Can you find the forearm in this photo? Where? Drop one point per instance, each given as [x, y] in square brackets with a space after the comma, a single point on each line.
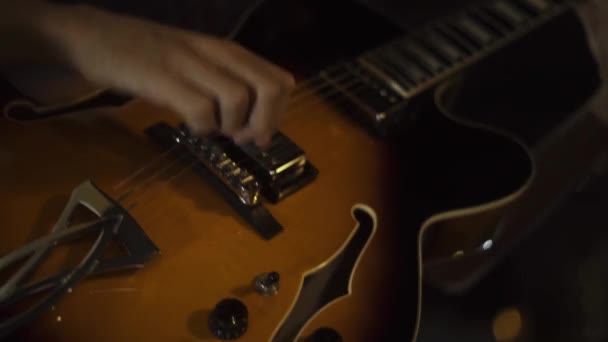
[35, 31]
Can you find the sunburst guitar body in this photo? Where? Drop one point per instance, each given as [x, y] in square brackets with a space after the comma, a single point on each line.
[118, 225]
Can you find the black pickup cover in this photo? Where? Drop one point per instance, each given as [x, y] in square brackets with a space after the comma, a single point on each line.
[281, 168]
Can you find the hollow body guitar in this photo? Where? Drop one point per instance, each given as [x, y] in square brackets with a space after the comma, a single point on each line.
[321, 236]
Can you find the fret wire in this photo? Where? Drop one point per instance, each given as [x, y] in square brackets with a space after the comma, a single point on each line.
[303, 87]
[362, 105]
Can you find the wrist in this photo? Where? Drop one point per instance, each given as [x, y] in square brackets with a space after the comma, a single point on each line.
[64, 29]
[29, 32]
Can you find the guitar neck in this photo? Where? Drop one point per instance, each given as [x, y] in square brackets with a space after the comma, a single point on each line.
[381, 82]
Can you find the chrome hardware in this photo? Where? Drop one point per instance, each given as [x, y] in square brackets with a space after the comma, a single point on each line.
[374, 99]
[109, 223]
[213, 155]
[281, 169]
[267, 284]
[216, 160]
[391, 77]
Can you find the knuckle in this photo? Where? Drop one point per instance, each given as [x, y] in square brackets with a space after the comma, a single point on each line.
[288, 81]
[200, 116]
[202, 106]
[281, 87]
[262, 128]
[272, 91]
[237, 100]
[170, 57]
[202, 125]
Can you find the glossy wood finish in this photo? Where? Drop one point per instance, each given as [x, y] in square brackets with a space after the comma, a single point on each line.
[207, 252]
[441, 171]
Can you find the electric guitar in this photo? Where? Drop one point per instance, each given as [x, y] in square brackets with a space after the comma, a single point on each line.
[120, 225]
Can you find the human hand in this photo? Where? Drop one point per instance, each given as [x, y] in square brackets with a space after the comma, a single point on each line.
[204, 79]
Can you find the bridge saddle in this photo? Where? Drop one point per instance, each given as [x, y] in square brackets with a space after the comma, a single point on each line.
[274, 172]
[244, 174]
[214, 153]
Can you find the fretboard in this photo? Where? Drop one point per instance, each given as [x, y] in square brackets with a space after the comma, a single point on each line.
[382, 81]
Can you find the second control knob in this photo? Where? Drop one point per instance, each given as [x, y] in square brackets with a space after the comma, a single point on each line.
[229, 319]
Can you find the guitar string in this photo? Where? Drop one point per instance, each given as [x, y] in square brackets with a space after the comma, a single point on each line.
[277, 153]
[153, 176]
[143, 196]
[162, 157]
[325, 98]
[134, 199]
[304, 93]
[139, 171]
[157, 174]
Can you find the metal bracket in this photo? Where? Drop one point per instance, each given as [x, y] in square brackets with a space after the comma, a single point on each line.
[255, 214]
[113, 223]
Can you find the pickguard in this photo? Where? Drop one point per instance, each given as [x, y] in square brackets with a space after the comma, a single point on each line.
[331, 280]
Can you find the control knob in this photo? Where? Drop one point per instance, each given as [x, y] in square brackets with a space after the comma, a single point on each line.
[229, 319]
[267, 284]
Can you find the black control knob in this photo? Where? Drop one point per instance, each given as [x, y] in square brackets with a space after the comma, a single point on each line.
[229, 319]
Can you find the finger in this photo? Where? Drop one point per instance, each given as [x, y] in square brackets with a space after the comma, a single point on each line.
[232, 95]
[270, 103]
[272, 86]
[249, 134]
[194, 106]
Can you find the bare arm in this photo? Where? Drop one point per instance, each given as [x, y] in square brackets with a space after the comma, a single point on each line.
[193, 74]
[23, 34]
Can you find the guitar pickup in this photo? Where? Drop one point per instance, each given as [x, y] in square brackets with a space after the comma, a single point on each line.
[243, 174]
[247, 171]
[281, 169]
